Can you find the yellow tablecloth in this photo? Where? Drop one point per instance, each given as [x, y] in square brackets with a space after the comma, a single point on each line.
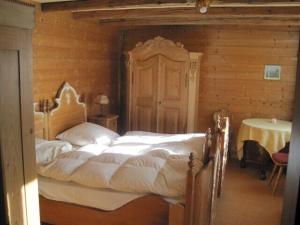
[272, 136]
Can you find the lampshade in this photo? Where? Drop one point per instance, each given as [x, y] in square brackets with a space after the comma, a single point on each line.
[102, 99]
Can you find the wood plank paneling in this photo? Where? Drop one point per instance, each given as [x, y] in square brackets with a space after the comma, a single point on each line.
[232, 68]
[82, 53]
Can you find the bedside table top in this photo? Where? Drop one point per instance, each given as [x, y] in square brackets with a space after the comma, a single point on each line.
[109, 116]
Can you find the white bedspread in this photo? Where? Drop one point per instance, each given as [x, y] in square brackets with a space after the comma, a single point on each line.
[129, 167]
[103, 199]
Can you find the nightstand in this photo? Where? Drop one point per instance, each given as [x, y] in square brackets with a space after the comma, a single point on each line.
[109, 121]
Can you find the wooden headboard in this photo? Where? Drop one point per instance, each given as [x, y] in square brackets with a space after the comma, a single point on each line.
[40, 123]
[68, 111]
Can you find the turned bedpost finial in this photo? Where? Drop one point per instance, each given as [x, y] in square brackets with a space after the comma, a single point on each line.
[191, 161]
[193, 164]
[40, 106]
[209, 136]
[47, 105]
[219, 122]
[207, 146]
[44, 105]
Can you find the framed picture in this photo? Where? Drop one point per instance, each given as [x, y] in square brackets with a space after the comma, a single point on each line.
[272, 72]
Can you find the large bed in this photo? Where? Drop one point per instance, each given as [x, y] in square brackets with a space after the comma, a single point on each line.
[66, 200]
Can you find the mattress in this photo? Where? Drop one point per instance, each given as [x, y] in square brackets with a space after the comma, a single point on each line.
[103, 199]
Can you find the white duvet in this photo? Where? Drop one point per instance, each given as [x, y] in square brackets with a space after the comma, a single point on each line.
[128, 167]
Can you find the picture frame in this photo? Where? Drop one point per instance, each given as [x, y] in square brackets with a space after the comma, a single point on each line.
[272, 72]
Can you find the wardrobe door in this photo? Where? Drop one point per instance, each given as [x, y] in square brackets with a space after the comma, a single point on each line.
[18, 164]
[172, 96]
[11, 129]
[144, 94]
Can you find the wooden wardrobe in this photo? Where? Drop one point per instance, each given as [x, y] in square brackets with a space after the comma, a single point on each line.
[19, 202]
[162, 87]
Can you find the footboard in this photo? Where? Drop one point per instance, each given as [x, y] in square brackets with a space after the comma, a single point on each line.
[202, 183]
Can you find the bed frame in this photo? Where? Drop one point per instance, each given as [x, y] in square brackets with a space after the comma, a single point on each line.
[222, 120]
[201, 187]
[40, 120]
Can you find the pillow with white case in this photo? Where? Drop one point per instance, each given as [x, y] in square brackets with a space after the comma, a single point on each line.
[88, 133]
[46, 151]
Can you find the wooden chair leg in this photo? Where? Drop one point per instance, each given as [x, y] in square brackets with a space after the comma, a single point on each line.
[277, 179]
[272, 174]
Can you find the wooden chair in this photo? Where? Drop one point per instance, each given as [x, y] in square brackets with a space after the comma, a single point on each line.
[280, 161]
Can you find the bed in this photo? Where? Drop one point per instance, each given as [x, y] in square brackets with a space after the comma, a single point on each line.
[197, 206]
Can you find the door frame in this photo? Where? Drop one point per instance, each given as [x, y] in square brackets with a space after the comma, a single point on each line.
[291, 195]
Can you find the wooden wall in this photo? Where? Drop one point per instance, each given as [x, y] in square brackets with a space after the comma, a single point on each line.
[85, 54]
[80, 52]
[232, 70]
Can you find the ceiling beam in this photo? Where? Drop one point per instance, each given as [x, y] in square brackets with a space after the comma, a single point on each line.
[114, 4]
[254, 3]
[139, 4]
[254, 21]
[188, 13]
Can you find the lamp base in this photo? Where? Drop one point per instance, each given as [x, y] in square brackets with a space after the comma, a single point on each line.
[100, 115]
[102, 112]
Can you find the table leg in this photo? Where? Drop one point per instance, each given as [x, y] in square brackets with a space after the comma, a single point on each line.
[243, 160]
[264, 161]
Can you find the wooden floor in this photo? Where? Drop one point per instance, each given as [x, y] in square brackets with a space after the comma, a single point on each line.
[246, 200]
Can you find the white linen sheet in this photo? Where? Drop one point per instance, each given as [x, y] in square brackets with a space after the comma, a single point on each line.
[103, 199]
[46, 151]
[129, 167]
[155, 138]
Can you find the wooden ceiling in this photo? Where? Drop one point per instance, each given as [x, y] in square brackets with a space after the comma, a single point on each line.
[169, 12]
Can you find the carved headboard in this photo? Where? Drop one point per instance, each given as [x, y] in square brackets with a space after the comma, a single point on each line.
[68, 111]
[40, 123]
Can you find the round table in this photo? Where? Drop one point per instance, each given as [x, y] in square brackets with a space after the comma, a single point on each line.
[271, 134]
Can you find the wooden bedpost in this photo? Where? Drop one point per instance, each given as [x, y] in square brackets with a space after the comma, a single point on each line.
[206, 180]
[188, 210]
[207, 146]
[45, 108]
[195, 163]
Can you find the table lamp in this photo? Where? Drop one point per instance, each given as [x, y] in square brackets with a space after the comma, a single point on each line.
[102, 100]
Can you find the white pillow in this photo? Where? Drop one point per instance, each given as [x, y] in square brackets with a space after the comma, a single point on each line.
[88, 133]
[46, 151]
